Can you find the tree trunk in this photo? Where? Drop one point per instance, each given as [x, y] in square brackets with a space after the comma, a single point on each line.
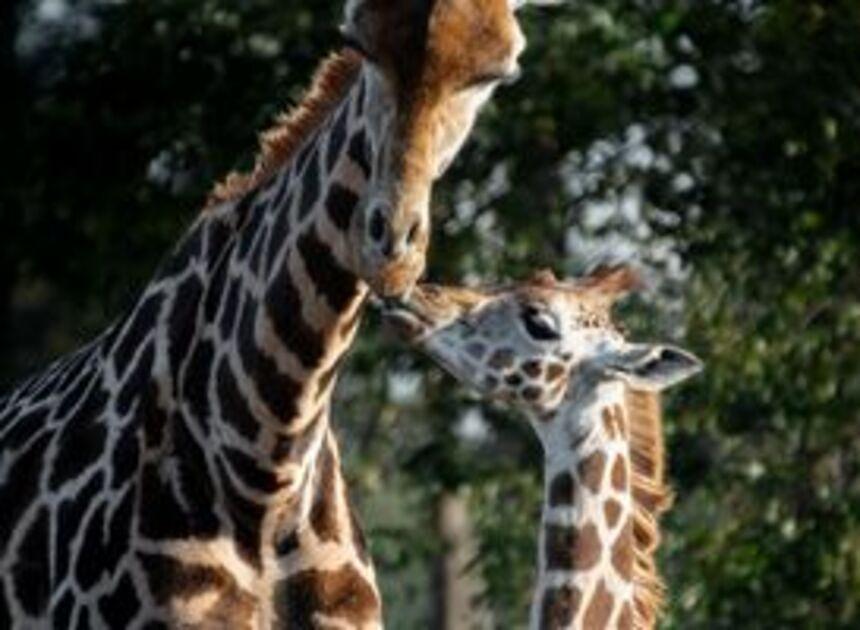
[456, 589]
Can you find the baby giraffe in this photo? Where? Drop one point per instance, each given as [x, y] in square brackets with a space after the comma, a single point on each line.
[550, 348]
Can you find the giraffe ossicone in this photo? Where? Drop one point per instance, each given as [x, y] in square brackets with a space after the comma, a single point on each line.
[181, 470]
[551, 349]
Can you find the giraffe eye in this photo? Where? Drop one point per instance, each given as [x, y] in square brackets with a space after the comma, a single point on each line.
[503, 77]
[540, 325]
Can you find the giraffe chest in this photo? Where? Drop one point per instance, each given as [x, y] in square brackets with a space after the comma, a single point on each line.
[313, 586]
[201, 584]
[313, 574]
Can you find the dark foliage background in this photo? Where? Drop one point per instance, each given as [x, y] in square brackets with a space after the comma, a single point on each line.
[714, 142]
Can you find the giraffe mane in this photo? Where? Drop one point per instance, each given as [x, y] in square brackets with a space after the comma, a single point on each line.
[333, 77]
[651, 498]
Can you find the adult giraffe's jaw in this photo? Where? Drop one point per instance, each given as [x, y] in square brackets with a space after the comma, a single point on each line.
[402, 321]
[418, 314]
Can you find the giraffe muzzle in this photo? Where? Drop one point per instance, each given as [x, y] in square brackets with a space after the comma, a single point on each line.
[402, 321]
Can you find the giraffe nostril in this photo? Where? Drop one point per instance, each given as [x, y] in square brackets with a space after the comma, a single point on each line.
[377, 226]
[412, 236]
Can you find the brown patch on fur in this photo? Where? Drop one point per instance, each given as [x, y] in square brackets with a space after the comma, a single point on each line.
[559, 607]
[613, 422]
[234, 609]
[343, 593]
[554, 372]
[501, 359]
[591, 470]
[599, 608]
[651, 497]
[622, 552]
[514, 380]
[611, 511]
[531, 393]
[619, 474]
[532, 369]
[575, 548]
[170, 578]
[608, 423]
[641, 610]
[562, 490]
[625, 617]
[330, 84]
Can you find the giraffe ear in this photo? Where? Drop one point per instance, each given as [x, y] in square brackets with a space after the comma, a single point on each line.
[653, 367]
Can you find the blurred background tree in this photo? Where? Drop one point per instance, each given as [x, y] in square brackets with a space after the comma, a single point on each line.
[714, 143]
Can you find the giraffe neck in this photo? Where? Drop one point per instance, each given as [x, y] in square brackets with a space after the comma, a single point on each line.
[257, 308]
[586, 554]
[260, 303]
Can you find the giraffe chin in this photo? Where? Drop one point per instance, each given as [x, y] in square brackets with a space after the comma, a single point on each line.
[401, 323]
[395, 280]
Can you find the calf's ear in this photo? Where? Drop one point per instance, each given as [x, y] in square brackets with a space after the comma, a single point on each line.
[653, 367]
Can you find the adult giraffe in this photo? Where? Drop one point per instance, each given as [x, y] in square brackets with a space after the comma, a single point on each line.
[551, 349]
[181, 469]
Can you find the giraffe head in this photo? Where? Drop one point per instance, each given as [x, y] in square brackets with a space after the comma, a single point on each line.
[539, 342]
[430, 65]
